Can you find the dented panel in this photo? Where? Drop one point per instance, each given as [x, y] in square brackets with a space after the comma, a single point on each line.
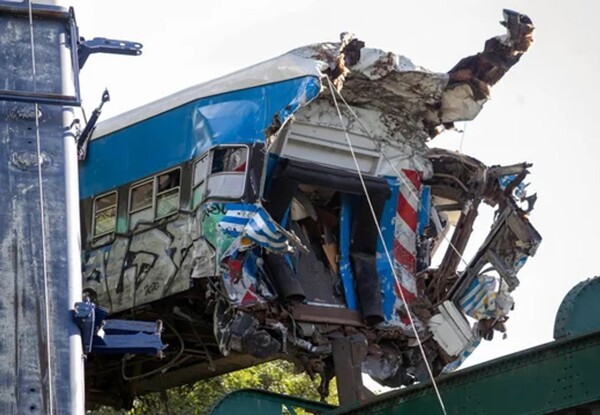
[305, 216]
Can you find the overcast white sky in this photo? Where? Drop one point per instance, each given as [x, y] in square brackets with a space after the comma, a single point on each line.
[543, 111]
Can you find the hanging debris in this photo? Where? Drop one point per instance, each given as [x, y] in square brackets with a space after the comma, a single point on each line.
[298, 214]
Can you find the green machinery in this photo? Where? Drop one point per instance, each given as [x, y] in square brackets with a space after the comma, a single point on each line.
[560, 377]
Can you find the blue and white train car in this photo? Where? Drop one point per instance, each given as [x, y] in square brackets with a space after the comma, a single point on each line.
[264, 213]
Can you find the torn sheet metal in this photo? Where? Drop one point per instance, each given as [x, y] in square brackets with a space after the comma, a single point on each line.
[245, 280]
[387, 83]
[450, 329]
[470, 80]
[484, 300]
[256, 204]
[251, 224]
[416, 102]
[465, 353]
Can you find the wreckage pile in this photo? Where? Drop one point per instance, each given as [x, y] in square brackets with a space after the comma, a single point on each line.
[315, 210]
[400, 106]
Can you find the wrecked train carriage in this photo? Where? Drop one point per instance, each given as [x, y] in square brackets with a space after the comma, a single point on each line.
[265, 214]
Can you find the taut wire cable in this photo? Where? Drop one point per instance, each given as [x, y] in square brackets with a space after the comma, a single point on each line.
[387, 253]
[42, 218]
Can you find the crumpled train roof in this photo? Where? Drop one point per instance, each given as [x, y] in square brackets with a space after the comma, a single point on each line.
[420, 102]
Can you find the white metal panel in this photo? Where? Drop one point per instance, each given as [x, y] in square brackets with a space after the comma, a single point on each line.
[328, 146]
[317, 135]
[450, 329]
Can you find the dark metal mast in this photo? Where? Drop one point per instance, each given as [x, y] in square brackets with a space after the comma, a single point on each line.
[41, 359]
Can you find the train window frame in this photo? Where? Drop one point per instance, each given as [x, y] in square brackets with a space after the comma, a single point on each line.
[225, 147]
[153, 206]
[97, 237]
[137, 185]
[157, 193]
[209, 174]
[202, 180]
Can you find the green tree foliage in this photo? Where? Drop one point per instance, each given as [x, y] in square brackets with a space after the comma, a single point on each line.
[277, 376]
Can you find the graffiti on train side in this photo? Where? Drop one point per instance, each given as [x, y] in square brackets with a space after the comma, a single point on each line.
[142, 267]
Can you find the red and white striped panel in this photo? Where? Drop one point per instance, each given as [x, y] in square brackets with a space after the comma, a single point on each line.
[405, 234]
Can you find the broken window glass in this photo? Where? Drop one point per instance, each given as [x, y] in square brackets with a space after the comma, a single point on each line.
[229, 159]
[105, 214]
[141, 196]
[167, 198]
[169, 180]
[227, 178]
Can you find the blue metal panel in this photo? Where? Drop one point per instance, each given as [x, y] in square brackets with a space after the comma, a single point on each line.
[272, 160]
[424, 209]
[104, 336]
[178, 135]
[383, 266]
[344, 263]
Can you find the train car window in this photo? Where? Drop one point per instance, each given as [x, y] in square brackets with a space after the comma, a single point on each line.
[167, 195]
[220, 174]
[105, 215]
[199, 183]
[229, 159]
[227, 178]
[141, 196]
